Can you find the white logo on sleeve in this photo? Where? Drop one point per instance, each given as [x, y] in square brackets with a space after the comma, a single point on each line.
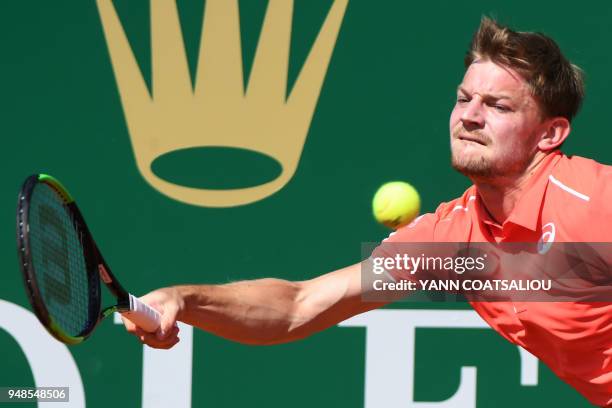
[547, 238]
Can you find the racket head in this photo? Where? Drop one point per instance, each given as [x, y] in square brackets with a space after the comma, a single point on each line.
[58, 260]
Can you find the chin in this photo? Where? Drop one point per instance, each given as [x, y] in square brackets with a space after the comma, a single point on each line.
[471, 165]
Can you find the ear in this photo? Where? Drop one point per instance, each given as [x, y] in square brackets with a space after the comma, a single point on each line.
[554, 134]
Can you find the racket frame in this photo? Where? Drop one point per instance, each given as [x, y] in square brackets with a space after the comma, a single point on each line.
[97, 268]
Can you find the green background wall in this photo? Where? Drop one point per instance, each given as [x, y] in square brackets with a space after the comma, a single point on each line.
[382, 115]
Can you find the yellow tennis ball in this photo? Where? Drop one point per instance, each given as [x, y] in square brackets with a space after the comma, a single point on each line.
[396, 204]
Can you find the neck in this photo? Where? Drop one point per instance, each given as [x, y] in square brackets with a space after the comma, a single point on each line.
[500, 195]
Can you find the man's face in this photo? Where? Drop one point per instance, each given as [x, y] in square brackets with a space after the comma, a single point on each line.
[495, 123]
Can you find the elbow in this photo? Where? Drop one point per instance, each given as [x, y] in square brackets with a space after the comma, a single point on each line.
[296, 323]
[304, 318]
[287, 317]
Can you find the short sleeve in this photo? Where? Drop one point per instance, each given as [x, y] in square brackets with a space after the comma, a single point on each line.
[421, 230]
[601, 204]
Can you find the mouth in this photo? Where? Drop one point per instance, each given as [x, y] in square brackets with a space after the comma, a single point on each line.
[473, 139]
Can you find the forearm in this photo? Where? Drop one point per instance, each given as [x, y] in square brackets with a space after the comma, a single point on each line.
[263, 311]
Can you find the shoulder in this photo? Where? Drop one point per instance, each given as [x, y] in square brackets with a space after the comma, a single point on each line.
[580, 193]
[449, 210]
[423, 228]
[582, 177]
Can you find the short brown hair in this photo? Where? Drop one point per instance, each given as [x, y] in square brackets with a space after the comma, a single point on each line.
[556, 83]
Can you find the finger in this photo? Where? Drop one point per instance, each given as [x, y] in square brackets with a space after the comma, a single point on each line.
[166, 344]
[153, 341]
[129, 325]
[155, 336]
[138, 332]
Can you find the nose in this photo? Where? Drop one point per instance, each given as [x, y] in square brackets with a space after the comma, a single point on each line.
[472, 115]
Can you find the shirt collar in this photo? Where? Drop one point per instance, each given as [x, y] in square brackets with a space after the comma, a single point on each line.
[526, 212]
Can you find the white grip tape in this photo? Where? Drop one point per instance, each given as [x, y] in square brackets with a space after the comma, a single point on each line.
[142, 315]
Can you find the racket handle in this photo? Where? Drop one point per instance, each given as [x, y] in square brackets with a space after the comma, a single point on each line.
[142, 315]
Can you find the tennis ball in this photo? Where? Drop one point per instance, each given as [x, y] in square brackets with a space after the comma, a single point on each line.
[396, 204]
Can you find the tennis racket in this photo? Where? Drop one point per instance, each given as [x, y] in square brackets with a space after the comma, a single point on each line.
[62, 265]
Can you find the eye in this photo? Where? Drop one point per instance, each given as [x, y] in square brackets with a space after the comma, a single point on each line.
[462, 99]
[501, 108]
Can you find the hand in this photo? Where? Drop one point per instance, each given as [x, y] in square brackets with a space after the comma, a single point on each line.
[168, 303]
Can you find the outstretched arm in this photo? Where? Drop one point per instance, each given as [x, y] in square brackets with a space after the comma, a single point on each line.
[263, 311]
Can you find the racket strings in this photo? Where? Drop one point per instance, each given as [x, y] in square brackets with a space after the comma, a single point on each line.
[59, 261]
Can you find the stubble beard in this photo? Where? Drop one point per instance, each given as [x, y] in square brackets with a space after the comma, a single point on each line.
[471, 167]
[479, 167]
[482, 168]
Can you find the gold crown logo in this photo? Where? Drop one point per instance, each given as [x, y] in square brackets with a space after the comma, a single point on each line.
[217, 111]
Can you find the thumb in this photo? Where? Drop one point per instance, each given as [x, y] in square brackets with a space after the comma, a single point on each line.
[168, 322]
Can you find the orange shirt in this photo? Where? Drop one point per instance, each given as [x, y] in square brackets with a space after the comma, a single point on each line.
[568, 199]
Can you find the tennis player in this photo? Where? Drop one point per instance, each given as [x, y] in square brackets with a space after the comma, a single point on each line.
[513, 112]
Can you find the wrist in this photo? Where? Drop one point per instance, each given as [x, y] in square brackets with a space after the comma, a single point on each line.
[184, 299]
